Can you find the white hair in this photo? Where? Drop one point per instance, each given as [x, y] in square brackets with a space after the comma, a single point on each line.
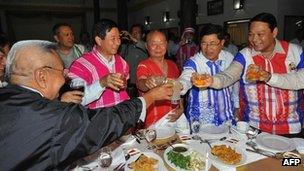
[43, 45]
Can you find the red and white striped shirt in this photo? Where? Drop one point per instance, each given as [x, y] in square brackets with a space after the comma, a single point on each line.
[268, 108]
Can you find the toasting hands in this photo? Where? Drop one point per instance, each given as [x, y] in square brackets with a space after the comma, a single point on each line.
[255, 73]
[115, 81]
[201, 80]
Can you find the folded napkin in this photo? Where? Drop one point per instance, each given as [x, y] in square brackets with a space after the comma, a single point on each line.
[118, 157]
[299, 143]
[181, 125]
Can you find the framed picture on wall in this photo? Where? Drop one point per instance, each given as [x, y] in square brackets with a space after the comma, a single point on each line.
[215, 7]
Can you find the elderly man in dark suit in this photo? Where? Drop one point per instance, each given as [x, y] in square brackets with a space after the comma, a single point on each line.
[38, 132]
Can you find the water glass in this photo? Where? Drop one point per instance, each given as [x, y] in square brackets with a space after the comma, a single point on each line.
[176, 92]
[195, 126]
[123, 77]
[105, 157]
[150, 135]
[159, 80]
[251, 134]
[78, 85]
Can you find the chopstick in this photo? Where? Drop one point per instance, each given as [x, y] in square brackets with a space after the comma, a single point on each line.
[137, 138]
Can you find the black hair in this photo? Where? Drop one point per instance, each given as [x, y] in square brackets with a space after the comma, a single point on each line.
[226, 34]
[102, 27]
[136, 25]
[266, 18]
[58, 25]
[212, 29]
[3, 42]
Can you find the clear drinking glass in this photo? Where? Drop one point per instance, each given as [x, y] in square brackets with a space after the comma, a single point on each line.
[175, 100]
[195, 127]
[124, 78]
[159, 80]
[251, 134]
[105, 157]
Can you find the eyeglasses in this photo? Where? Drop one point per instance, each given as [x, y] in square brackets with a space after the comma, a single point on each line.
[211, 45]
[63, 71]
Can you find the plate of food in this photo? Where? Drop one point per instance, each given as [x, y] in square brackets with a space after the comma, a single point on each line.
[145, 161]
[183, 157]
[227, 155]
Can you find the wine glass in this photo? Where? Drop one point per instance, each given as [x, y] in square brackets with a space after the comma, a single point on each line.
[105, 157]
[78, 85]
[251, 134]
[195, 127]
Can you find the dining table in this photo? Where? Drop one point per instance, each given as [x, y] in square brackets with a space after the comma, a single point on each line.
[251, 160]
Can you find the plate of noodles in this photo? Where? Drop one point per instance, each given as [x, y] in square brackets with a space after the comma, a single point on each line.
[227, 155]
[145, 161]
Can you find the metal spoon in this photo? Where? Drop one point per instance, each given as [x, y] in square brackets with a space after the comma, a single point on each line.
[221, 139]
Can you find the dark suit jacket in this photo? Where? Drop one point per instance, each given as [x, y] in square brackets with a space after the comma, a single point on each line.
[41, 134]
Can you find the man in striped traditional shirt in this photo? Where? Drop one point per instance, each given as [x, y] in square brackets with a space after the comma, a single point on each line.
[102, 70]
[267, 108]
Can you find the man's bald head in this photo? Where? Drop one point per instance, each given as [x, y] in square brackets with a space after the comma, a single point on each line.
[155, 32]
[35, 64]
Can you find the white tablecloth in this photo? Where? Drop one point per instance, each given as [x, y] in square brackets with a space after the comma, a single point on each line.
[119, 153]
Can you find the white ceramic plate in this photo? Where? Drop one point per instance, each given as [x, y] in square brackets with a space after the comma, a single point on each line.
[213, 129]
[160, 165]
[200, 148]
[275, 143]
[239, 150]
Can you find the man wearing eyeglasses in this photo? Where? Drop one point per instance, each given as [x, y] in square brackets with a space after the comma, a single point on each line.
[209, 106]
[38, 132]
[270, 109]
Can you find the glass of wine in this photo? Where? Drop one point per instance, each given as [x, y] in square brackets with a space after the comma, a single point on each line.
[105, 157]
[251, 134]
[78, 85]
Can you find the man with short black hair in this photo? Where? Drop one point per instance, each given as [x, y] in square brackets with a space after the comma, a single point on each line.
[209, 106]
[67, 49]
[267, 108]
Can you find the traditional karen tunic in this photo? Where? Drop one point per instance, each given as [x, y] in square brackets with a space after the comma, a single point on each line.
[268, 108]
[208, 105]
[160, 108]
[91, 67]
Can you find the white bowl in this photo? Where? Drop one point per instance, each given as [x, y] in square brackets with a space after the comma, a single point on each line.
[242, 126]
[164, 132]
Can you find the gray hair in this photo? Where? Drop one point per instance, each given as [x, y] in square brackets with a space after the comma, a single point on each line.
[12, 57]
